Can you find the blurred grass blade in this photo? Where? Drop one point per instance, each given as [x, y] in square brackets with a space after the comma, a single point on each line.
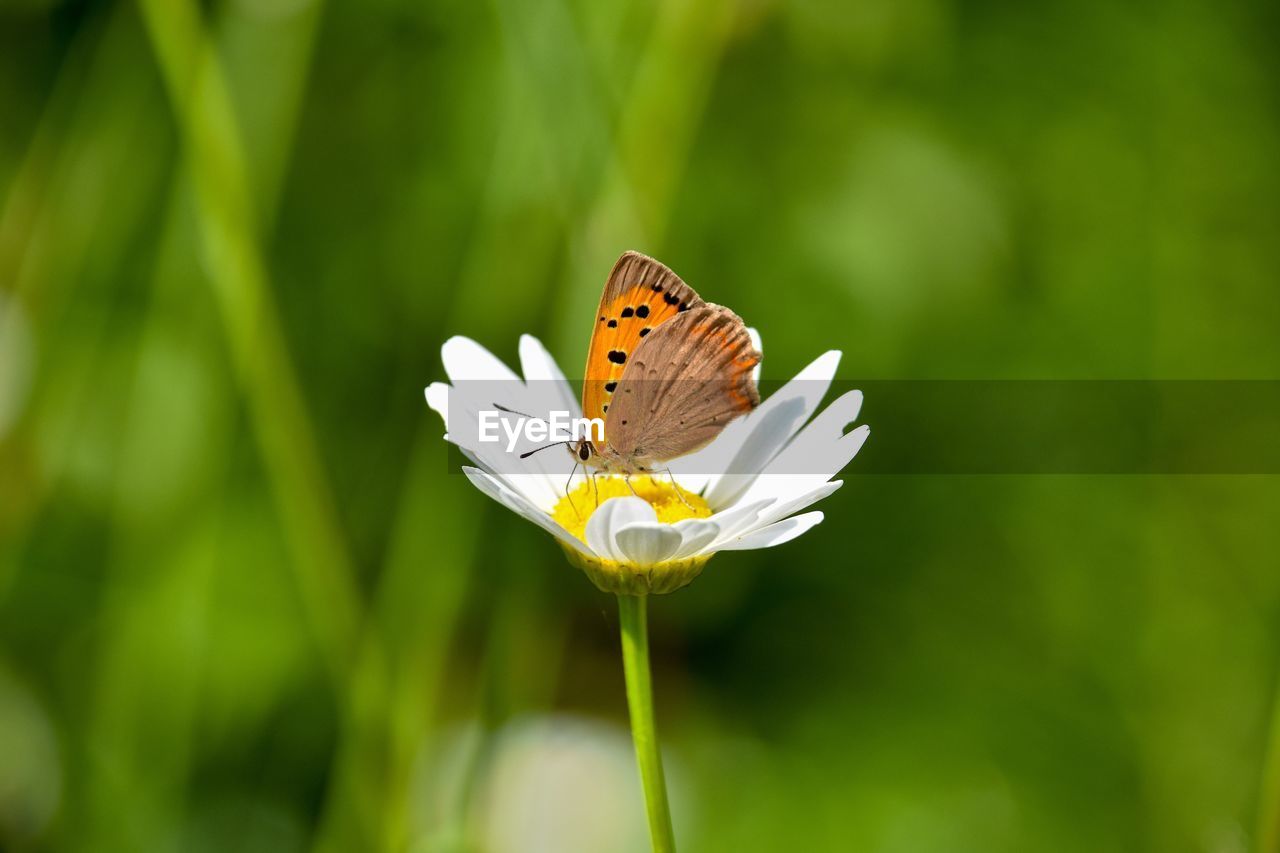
[202, 105]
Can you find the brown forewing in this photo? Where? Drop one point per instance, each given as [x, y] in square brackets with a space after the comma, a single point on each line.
[687, 380]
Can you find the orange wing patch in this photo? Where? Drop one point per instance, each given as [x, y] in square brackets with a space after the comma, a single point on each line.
[640, 295]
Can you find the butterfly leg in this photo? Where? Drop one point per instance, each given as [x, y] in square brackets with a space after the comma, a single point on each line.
[626, 478]
[679, 491]
[569, 483]
[595, 488]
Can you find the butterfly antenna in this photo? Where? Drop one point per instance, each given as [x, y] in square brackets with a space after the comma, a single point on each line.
[529, 453]
[502, 408]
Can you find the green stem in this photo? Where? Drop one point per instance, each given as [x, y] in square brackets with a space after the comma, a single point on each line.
[633, 614]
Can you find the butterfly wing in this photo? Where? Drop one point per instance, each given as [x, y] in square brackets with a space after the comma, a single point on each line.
[688, 379]
[639, 297]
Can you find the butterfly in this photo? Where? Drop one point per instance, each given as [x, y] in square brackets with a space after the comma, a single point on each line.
[666, 371]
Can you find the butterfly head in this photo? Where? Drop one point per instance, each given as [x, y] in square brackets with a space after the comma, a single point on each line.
[584, 451]
[600, 456]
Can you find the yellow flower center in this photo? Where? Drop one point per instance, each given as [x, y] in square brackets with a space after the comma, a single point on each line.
[671, 502]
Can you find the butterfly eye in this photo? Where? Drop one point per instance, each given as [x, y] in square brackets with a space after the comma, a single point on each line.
[584, 451]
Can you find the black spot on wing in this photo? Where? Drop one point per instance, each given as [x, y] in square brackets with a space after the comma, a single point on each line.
[610, 387]
[613, 324]
[628, 311]
[642, 311]
[646, 330]
[671, 299]
[617, 356]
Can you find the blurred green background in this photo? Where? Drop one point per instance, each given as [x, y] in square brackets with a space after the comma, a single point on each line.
[245, 606]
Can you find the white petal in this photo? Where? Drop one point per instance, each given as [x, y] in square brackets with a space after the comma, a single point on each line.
[523, 484]
[478, 378]
[740, 518]
[789, 507]
[647, 543]
[438, 399]
[522, 507]
[764, 437]
[546, 391]
[464, 359]
[747, 445]
[516, 474]
[816, 455]
[612, 516]
[774, 534]
[477, 463]
[544, 378]
[695, 534]
[754, 334]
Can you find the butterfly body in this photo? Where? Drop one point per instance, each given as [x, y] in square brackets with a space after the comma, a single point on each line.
[607, 460]
[666, 371]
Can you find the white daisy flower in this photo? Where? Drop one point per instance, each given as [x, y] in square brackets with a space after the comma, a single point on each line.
[745, 490]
